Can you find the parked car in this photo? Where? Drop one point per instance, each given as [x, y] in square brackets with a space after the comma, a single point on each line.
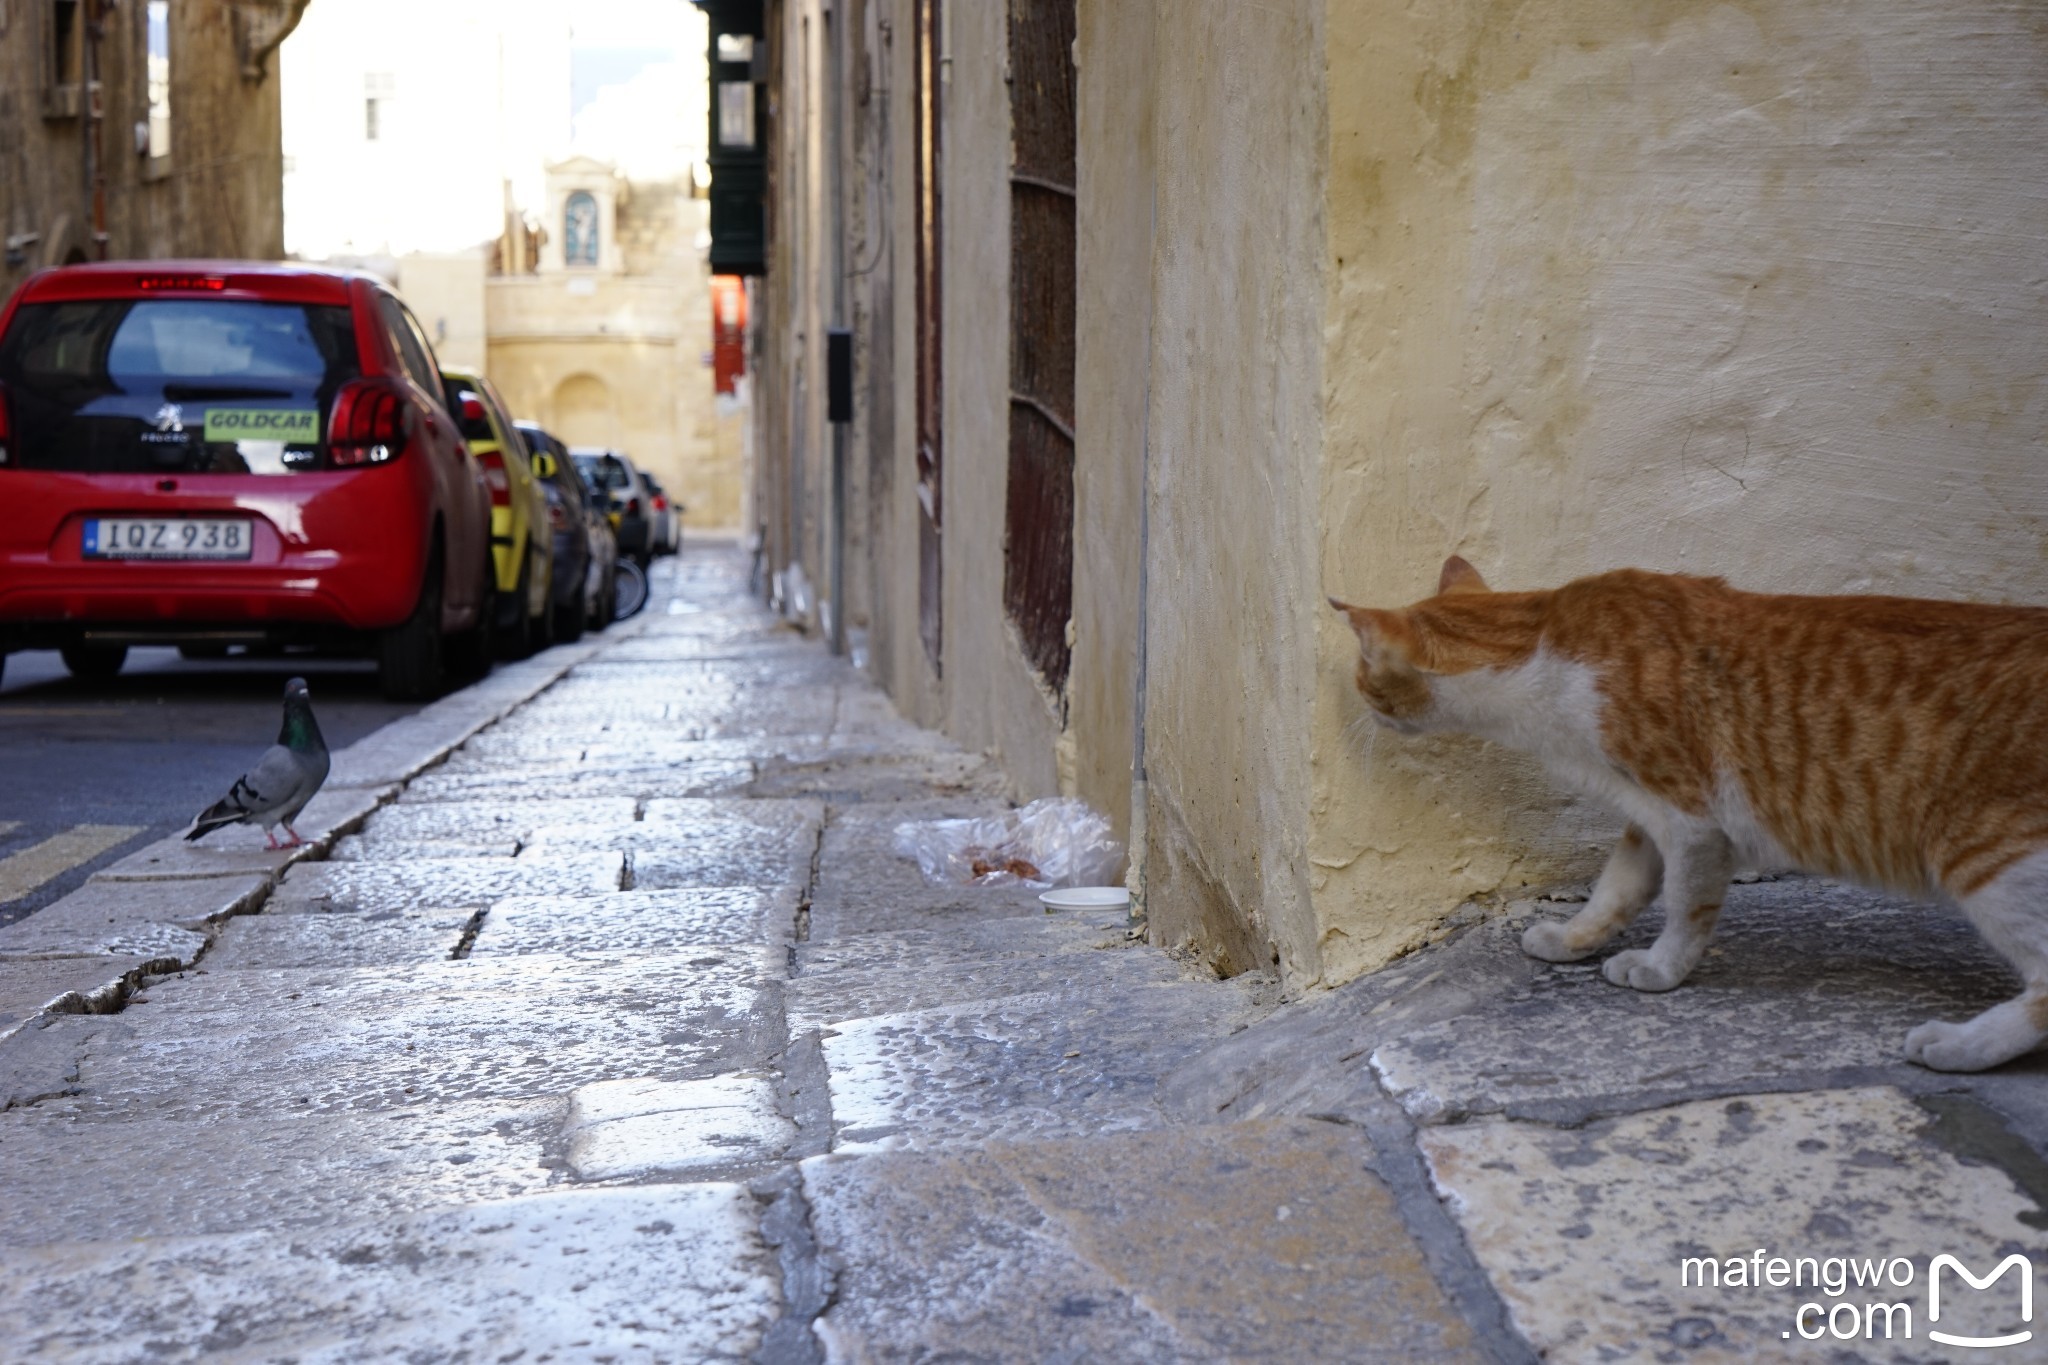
[586, 552]
[521, 549]
[206, 453]
[665, 519]
[626, 499]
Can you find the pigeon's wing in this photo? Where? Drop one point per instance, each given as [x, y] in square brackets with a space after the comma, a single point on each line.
[312, 766]
[258, 795]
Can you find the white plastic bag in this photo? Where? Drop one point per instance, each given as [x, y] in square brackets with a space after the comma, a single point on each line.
[1058, 841]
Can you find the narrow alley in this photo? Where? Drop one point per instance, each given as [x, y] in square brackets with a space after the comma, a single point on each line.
[566, 1028]
[601, 1022]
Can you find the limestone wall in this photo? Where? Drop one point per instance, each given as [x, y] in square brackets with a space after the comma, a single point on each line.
[1758, 290]
[218, 193]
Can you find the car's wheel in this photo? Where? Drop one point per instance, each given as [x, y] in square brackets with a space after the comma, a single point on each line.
[202, 651]
[470, 651]
[569, 620]
[540, 627]
[94, 663]
[515, 627]
[410, 662]
[606, 602]
[631, 593]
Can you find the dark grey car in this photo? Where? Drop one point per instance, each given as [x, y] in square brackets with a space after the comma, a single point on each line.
[586, 552]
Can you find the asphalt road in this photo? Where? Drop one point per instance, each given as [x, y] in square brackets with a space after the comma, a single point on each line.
[104, 768]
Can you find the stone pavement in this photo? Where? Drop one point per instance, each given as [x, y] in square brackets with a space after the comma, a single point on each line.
[602, 1024]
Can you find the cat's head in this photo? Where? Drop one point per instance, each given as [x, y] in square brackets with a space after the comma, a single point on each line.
[1415, 663]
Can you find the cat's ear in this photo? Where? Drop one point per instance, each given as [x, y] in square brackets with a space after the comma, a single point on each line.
[1459, 576]
[1364, 620]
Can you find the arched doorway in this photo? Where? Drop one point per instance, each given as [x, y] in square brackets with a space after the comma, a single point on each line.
[584, 412]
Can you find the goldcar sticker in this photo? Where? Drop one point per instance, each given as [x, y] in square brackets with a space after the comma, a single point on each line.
[293, 426]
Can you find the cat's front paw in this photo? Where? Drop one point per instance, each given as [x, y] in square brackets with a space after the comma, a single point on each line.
[1639, 970]
[1550, 940]
[1941, 1046]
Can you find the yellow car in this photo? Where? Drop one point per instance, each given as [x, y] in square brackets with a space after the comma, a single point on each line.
[521, 547]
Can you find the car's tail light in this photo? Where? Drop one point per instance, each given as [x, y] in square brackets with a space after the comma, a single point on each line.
[500, 483]
[473, 409]
[558, 517]
[6, 430]
[660, 503]
[632, 507]
[367, 425]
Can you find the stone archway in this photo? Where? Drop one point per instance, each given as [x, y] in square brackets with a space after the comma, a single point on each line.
[585, 412]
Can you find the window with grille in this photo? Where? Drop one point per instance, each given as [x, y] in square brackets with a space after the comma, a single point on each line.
[1038, 563]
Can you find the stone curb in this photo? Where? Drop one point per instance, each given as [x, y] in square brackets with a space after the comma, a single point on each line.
[185, 881]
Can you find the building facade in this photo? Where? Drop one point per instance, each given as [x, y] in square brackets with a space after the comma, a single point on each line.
[607, 340]
[144, 129]
[1239, 306]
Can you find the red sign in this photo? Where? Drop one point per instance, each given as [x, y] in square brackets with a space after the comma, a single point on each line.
[728, 331]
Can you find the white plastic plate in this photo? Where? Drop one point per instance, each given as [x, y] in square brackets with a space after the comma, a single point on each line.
[1085, 898]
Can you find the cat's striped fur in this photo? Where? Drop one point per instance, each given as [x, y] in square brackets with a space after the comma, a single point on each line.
[1897, 742]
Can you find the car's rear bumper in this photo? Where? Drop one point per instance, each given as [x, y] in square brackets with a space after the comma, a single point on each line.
[341, 554]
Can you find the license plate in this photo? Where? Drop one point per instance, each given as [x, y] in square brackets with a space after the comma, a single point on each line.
[167, 538]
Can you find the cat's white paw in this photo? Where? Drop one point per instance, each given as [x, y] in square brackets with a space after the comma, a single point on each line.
[1969, 1046]
[1550, 940]
[1639, 970]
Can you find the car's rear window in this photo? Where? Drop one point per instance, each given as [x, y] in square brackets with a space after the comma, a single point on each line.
[600, 472]
[473, 428]
[185, 386]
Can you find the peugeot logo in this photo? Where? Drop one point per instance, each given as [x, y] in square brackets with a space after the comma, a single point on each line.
[170, 419]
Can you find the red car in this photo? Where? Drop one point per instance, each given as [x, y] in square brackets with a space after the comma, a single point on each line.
[205, 453]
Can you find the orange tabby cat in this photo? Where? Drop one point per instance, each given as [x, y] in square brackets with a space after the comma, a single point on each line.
[1893, 741]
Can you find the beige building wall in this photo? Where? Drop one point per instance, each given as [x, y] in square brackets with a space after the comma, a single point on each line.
[1744, 290]
[983, 693]
[1750, 290]
[445, 291]
[615, 355]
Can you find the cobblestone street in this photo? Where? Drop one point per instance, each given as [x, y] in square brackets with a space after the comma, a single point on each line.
[601, 1023]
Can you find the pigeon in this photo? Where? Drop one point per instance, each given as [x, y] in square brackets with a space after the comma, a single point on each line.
[274, 791]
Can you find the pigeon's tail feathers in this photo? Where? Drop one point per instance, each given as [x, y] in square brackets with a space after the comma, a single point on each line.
[230, 809]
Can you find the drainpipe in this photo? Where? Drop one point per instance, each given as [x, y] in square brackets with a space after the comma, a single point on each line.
[1135, 877]
[95, 116]
[839, 341]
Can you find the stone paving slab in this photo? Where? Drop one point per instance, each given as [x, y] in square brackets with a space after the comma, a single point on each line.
[68, 985]
[1584, 1231]
[917, 777]
[239, 849]
[719, 777]
[401, 750]
[521, 748]
[378, 938]
[1752, 1016]
[490, 819]
[441, 883]
[170, 1178]
[636, 921]
[327, 1040]
[1032, 1066]
[797, 815]
[674, 1273]
[912, 906]
[1250, 1242]
[359, 849]
[641, 1129]
[706, 850]
[156, 919]
[825, 994]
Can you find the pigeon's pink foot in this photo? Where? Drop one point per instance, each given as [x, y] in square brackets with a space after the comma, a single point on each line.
[296, 842]
[270, 840]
